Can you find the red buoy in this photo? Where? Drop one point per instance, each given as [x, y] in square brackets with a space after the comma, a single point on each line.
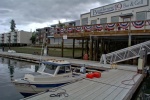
[85, 57]
[97, 74]
[90, 75]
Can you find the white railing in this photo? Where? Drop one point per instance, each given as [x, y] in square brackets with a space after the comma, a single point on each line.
[118, 26]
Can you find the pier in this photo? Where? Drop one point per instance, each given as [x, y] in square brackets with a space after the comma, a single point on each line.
[119, 83]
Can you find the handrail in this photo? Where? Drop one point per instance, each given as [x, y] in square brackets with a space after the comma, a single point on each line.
[118, 26]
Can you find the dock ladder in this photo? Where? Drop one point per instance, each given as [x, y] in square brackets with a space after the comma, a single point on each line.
[125, 54]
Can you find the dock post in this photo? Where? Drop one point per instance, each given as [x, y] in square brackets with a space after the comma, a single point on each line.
[91, 48]
[62, 48]
[73, 47]
[87, 46]
[129, 40]
[82, 46]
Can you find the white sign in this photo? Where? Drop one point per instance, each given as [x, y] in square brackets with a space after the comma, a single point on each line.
[118, 7]
[64, 36]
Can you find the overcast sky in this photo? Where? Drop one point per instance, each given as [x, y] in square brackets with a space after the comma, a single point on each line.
[32, 14]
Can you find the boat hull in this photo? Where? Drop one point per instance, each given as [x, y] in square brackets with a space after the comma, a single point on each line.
[28, 88]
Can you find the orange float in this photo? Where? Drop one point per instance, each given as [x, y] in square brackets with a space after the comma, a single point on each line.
[97, 74]
[85, 57]
[90, 75]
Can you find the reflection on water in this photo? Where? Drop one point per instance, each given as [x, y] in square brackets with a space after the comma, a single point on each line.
[9, 70]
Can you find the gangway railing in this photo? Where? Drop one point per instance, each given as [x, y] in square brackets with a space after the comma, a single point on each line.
[125, 54]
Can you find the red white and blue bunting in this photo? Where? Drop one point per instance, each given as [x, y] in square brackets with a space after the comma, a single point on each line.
[138, 24]
[70, 29]
[124, 25]
[110, 26]
[148, 21]
[78, 28]
[62, 30]
[88, 28]
[98, 27]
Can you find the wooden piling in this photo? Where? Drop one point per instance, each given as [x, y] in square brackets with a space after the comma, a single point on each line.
[73, 47]
[82, 47]
[62, 48]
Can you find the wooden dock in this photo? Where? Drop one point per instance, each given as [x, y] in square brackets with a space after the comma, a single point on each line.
[115, 84]
[79, 62]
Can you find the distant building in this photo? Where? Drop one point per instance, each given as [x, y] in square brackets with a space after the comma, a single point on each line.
[127, 10]
[21, 37]
[41, 33]
[70, 23]
[50, 31]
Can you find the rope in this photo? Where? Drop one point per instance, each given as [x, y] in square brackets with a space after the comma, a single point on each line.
[105, 83]
[59, 94]
[31, 86]
[132, 79]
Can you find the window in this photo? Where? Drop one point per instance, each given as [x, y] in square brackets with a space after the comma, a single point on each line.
[126, 19]
[103, 20]
[50, 69]
[64, 69]
[115, 19]
[68, 70]
[141, 15]
[93, 22]
[61, 70]
[84, 21]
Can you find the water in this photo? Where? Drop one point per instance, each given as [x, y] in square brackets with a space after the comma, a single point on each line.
[11, 69]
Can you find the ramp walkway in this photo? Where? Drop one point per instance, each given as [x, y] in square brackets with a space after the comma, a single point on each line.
[125, 54]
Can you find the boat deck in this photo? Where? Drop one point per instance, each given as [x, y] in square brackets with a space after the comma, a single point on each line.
[113, 85]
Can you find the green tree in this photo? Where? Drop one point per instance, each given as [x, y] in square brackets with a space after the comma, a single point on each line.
[12, 25]
[33, 38]
[60, 25]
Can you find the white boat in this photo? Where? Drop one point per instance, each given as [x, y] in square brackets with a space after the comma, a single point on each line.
[11, 51]
[51, 74]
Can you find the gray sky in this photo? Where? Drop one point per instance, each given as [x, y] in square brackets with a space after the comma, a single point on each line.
[32, 14]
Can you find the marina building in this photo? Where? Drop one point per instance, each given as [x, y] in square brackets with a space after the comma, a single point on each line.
[19, 37]
[127, 10]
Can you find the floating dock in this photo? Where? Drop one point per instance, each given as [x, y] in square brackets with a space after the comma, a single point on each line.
[115, 84]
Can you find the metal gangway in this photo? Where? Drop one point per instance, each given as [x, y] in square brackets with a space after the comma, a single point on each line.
[125, 54]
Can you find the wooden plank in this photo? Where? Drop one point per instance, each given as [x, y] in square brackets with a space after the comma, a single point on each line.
[113, 94]
[97, 92]
[121, 94]
[81, 92]
[104, 94]
[84, 95]
[124, 92]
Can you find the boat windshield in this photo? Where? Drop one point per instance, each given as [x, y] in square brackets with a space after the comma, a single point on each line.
[64, 69]
[50, 69]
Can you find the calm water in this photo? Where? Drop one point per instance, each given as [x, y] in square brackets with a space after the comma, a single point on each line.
[11, 69]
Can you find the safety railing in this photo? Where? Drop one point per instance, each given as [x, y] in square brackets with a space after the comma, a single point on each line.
[125, 54]
[114, 27]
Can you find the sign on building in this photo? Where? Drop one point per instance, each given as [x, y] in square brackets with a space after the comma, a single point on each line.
[124, 5]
